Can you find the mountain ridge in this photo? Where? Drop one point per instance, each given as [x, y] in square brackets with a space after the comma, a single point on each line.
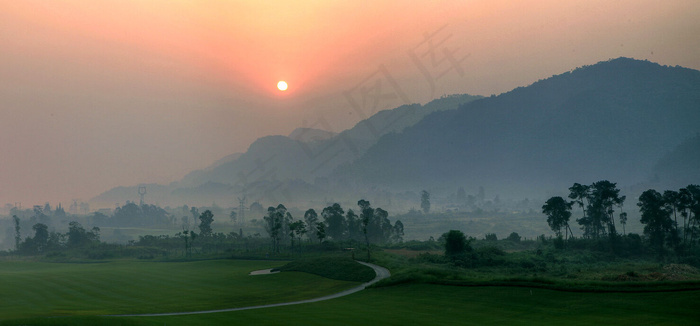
[303, 156]
[521, 138]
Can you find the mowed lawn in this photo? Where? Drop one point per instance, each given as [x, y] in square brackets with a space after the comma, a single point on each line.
[80, 292]
[426, 304]
[40, 289]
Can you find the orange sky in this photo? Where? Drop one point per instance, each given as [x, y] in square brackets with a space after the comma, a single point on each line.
[96, 94]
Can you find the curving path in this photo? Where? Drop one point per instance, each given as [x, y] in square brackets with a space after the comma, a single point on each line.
[381, 273]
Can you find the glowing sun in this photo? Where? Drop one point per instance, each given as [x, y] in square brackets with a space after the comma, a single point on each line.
[282, 85]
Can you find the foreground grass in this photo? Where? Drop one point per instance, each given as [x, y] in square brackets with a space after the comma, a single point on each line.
[555, 270]
[40, 289]
[429, 304]
[82, 291]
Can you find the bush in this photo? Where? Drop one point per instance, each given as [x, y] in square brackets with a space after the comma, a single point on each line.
[559, 243]
[490, 256]
[417, 245]
[514, 237]
[456, 243]
[431, 258]
[490, 251]
[464, 260]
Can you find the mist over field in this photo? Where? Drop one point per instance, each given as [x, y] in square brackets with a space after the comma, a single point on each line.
[629, 121]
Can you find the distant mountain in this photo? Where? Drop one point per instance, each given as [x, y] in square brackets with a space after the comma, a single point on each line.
[613, 120]
[308, 154]
[309, 135]
[155, 193]
[289, 162]
[224, 160]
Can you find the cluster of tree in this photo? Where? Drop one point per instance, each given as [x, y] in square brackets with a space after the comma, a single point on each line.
[657, 209]
[43, 240]
[598, 202]
[371, 226]
[205, 230]
[131, 214]
[459, 251]
[37, 212]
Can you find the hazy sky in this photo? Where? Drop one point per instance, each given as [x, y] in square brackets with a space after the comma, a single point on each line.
[98, 94]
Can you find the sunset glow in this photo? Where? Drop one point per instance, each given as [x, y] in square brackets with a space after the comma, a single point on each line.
[80, 70]
[282, 85]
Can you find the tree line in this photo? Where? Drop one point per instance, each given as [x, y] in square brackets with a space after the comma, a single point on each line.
[371, 226]
[44, 241]
[602, 205]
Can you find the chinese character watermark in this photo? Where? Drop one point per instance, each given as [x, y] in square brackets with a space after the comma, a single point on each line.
[434, 58]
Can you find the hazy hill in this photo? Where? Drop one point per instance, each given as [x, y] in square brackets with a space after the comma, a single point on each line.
[224, 160]
[308, 154]
[309, 135]
[286, 162]
[612, 120]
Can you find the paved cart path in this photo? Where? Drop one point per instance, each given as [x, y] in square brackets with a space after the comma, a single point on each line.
[381, 273]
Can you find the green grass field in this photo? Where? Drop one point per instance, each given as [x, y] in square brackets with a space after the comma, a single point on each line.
[78, 293]
[426, 304]
[40, 289]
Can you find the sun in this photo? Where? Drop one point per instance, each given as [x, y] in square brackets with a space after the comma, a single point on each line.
[282, 85]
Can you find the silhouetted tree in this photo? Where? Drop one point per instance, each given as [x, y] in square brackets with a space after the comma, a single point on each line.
[514, 236]
[366, 216]
[256, 208]
[18, 236]
[296, 229]
[655, 217]
[39, 216]
[690, 210]
[600, 199]
[311, 219]
[397, 234]
[79, 237]
[188, 236]
[194, 211]
[144, 215]
[623, 221]
[336, 225]
[558, 212]
[41, 236]
[455, 243]
[380, 229]
[320, 231]
[205, 219]
[673, 203]
[277, 225]
[59, 213]
[47, 209]
[604, 195]
[579, 193]
[354, 225]
[425, 201]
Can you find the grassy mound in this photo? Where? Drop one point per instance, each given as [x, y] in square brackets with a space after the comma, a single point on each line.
[336, 268]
